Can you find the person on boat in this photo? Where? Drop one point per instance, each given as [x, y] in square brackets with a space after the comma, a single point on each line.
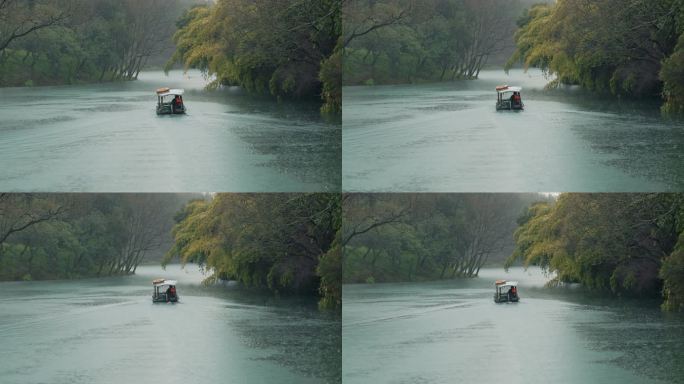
[172, 292]
[179, 102]
[516, 98]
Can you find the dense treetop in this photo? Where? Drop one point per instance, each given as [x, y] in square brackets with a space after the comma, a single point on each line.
[284, 48]
[69, 41]
[414, 237]
[627, 244]
[403, 41]
[622, 47]
[57, 236]
[287, 243]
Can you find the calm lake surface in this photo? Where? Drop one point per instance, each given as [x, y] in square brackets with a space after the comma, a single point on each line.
[108, 138]
[448, 137]
[108, 331]
[448, 332]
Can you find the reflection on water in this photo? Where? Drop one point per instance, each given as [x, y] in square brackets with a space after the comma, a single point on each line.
[452, 331]
[449, 137]
[107, 137]
[108, 331]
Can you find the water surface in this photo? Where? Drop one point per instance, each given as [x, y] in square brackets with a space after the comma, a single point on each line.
[448, 137]
[109, 331]
[446, 332]
[108, 138]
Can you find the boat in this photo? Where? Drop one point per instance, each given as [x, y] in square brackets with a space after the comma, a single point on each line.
[170, 101]
[508, 98]
[164, 291]
[506, 291]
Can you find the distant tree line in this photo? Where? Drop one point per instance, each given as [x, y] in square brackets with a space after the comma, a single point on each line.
[288, 49]
[287, 243]
[627, 244]
[414, 237]
[63, 236]
[405, 41]
[46, 42]
[631, 48]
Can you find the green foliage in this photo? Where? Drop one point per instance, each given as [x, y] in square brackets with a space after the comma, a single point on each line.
[283, 242]
[672, 273]
[81, 41]
[622, 243]
[331, 77]
[283, 48]
[402, 41]
[619, 47]
[69, 236]
[672, 75]
[426, 237]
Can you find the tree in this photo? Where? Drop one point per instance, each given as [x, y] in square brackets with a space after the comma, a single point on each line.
[58, 236]
[626, 244]
[265, 47]
[416, 237]
[19, 212]
[69, 41]
[286, 243]
[621, 47]
[19, 19]
[408, 41]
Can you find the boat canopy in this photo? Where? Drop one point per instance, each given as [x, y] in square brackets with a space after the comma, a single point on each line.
[506, 88]
[504, 283]
[162, 282]
[166, 92]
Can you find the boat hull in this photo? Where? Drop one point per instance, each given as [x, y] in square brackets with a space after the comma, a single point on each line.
[508, 106]
[163, 299]
[167, 110]
[506, 299]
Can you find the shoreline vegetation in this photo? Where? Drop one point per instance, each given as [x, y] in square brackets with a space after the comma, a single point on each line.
[420, 237]
[621, 245]
[284, 243]
[287, 50]
[65, 236]
[399, 41]
[625, 48]
[75, 41]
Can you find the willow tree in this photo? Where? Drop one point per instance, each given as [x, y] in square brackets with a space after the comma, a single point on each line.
[627, 244]
[608, 46]
[269, 47]
[273, 241]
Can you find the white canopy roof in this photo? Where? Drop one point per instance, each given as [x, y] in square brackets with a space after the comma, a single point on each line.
[510, 89]
[165, 282]
[172, 92]
[509, 284]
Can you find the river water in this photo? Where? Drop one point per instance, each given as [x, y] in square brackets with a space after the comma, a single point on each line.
[448, 137]
[447, 332]
[108, 138]
[109, 331]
